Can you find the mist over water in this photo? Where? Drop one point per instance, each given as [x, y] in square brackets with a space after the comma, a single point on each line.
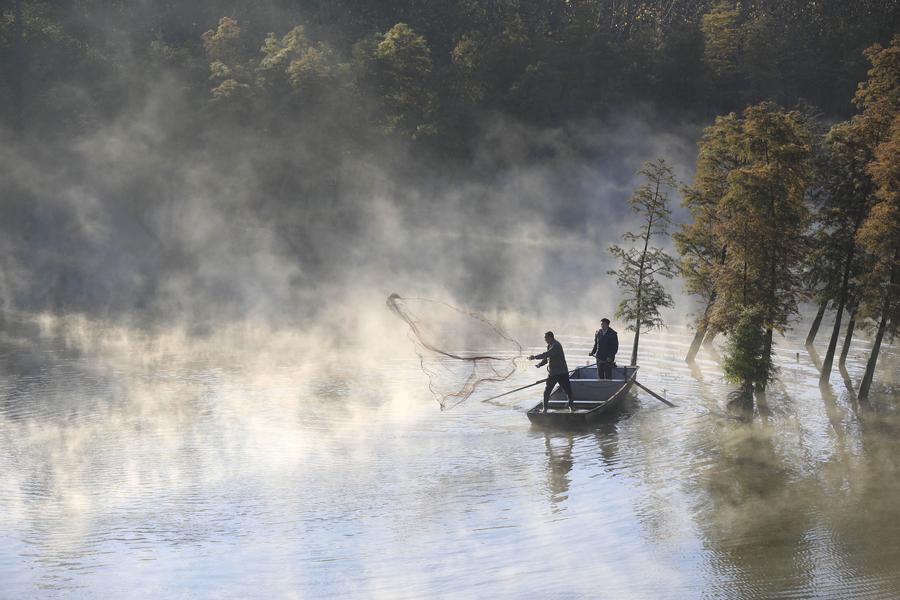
[131, 223]
[249, 463]
[202, 393]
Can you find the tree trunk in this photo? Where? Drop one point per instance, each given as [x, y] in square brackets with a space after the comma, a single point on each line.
[825, 375]
[701, 331]
[637, 324]
[710, 337]
[640, 286]
[847, 338]
[695, 343]
[637, 335]
[876, 345]
[873, 359]
[814, 330]
[767, 355]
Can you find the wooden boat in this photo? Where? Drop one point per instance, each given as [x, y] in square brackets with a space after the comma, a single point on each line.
[591, 396]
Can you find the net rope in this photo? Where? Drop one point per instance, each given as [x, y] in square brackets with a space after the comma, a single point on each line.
[454, 375]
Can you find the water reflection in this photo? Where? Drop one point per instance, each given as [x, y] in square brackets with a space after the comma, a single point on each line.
[165, 463]
[559, 463]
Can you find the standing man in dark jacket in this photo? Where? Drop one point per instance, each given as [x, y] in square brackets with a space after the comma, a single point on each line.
[606, 344]
[559, 370]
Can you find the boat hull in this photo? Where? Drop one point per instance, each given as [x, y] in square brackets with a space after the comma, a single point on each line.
[593, 399]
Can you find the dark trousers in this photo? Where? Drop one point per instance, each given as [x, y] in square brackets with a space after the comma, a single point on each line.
[563, 380]
[604, 369]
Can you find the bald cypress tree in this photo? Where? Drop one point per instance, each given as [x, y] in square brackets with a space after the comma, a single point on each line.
[879, 235]
[643, 264]
[698, 244]
[846, 197]
[762, 219]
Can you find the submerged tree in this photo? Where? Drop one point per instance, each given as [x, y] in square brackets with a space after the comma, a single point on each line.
[643, 265]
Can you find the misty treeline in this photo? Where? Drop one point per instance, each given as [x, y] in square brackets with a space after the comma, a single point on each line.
[786, 210]
[280, 96]
[423, 69]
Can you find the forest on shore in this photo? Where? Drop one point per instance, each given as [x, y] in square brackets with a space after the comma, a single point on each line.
[427, 70]
[795, 196]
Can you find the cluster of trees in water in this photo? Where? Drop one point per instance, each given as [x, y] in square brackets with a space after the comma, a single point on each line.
[783, 211]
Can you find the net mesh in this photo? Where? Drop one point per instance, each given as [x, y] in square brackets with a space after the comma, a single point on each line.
[442, 334]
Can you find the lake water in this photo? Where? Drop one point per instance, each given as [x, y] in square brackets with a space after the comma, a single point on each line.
[160, 467]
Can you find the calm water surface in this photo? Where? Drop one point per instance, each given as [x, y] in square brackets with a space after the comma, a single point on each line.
[157, 468]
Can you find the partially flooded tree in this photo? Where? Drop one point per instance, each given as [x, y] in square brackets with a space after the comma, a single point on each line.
[748, 357]
[846, 191]
[879, 235]
[762, 219]
[643, 264]
[701, 249]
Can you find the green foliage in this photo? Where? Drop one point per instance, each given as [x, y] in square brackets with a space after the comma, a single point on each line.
[230, 69]
[544, 61]
[293, 65]
[404, 67]
[746, 360]
[643, 264]
[722, 37]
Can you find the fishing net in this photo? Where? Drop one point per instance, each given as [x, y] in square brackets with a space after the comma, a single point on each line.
[445, 337]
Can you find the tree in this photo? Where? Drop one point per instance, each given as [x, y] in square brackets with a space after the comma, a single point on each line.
[638, 277]
[879, 235]
[293, 62]
[701, 250]
[722, 45]
[404, 63]
[230, 68]
[845, 196]
[748, 357]
[762, 217]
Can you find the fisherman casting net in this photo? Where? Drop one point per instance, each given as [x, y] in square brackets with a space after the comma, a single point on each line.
[442, 336]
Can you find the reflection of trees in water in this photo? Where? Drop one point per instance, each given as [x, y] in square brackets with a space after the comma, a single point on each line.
[753, 513]
[864, 512]
[779, 519]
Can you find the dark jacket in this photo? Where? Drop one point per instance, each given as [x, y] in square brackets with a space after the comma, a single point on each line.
[556, 357]
[606, 345]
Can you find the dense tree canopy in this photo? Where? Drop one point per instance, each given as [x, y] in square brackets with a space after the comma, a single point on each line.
[437, 62]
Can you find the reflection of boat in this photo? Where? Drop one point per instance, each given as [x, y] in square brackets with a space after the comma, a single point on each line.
[591, 396]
